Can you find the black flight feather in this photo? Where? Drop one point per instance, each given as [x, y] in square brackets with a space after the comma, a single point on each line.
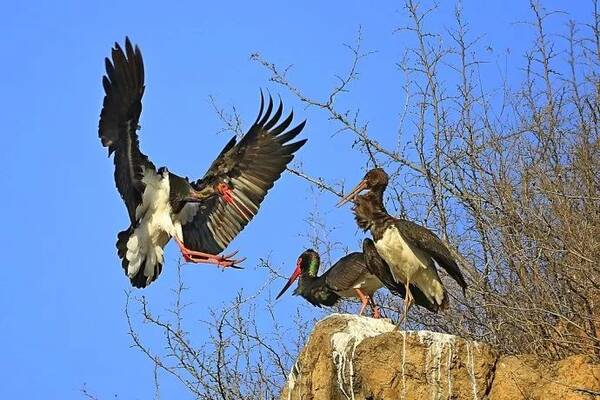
[250, 168]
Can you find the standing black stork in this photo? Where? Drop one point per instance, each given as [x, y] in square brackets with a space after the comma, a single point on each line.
[202, 216]
[411, 251]
[349, 277]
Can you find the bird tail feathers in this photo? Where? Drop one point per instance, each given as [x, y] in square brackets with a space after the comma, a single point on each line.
[142, 265]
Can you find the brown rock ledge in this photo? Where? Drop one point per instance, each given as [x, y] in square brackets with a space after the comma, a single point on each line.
[349, 357]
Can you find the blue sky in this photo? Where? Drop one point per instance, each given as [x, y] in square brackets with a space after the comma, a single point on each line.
[62, 290]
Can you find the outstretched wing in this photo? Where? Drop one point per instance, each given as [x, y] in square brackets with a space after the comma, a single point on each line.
[346, 272]
[121, 109]
[428, 241]
[378, 267]
[249, 168]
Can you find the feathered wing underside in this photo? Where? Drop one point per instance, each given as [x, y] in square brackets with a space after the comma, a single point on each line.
[378, 267]
[121, 109]
[249, 168]
[346, 272]
[428, 241]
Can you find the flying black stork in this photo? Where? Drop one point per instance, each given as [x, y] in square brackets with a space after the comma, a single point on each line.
[349, 277]
[202, 216]
[411, 251]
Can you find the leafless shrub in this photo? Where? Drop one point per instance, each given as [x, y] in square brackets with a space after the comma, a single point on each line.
[508, 176]
[242, 358]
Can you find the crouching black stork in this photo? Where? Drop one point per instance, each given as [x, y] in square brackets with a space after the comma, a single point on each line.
[349, 277]
[411, 251]
[354, 275]
[202, 216]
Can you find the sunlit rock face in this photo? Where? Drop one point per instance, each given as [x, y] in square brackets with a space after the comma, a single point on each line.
[357, 358]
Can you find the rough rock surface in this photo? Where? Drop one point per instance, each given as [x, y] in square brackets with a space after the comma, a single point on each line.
[359, 358]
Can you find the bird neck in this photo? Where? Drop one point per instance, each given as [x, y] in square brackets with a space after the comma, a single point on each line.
[311, 268]
[315, 291]
[378, 206]
[370, 210]
[308, 276]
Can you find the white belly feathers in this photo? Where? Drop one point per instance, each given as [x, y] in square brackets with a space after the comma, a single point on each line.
[155, 227]
[411, 264]
[400, 257]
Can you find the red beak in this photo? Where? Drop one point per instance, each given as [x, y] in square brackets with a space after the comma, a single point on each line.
[294, 276]
[362, 185]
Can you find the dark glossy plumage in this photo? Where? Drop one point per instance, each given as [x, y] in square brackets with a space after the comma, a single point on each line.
[250, 168]
[203, 216]
[370, 213]
[340, 281]
[316, 292]
[346, 272]
[410, 250]
[340, 277]
[424, 239]
[121, 109]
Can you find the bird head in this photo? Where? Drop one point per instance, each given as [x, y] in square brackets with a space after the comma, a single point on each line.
[374, 180]
[183, 192]
[307, 264]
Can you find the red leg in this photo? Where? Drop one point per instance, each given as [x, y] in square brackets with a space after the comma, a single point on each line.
[374, 308]
[364, 300]
[408, 302]
[376, 313]
[200, 257]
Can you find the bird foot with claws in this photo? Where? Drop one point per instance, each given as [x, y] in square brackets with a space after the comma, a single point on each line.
[376, 312]
[197, 257]
[223, 261]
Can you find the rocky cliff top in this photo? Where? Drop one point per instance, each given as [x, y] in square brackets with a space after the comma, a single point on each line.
[349, 357]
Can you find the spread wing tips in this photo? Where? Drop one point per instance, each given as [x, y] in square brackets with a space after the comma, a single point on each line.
[270, 124]
[276, 116]
[262, 106]
[261, 120]
[283, 126]
[250, 169]
[123, 86]
[292, 133]
[293, 147]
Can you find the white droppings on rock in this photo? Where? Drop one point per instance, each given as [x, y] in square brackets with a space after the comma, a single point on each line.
[443, 356]
[471, 368]
[344, 344]
[436, 344]
[449, 371]
[292, 378]
[402, 371]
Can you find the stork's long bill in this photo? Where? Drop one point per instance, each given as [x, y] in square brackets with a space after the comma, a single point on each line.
[294, 276]
[362, 185]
